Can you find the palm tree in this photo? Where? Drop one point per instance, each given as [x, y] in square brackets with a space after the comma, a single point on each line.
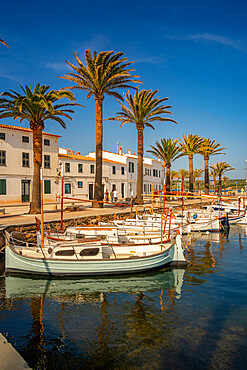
[142, 110]
[213, 174]
[173, 175]
[207, 149]
[190, 146]
[36, 106]
[221, 168]
[197, 173]
[102, 75]
[169, 151]
[182, 174]
[3, 42]
[224, 180]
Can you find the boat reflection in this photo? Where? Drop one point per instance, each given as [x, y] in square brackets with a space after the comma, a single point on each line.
[90, 289]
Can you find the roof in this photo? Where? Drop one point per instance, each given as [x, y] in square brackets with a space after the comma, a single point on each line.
[24, 129]
[84, 158]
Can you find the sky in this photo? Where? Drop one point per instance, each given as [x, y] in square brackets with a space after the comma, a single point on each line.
[194, 52]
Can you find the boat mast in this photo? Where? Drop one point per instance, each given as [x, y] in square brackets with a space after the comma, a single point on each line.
[62, 197]
[42, 208]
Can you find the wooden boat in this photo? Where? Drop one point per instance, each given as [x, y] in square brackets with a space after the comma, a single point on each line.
[90, 258]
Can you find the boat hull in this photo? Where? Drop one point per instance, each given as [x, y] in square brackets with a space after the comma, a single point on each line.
[19, 264]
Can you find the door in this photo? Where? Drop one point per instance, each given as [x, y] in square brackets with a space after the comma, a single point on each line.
[25, 190]
[90, 191]
[122, 190]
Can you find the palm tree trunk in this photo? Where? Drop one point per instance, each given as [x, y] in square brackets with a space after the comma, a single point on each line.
[37, 163]
[220, 183]
[139, 197]
[191, 178]
[98, 196]
[198, 184]
[168, 177]
[206, 175]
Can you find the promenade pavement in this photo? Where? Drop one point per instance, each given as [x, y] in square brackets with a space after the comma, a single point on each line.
[20, 216]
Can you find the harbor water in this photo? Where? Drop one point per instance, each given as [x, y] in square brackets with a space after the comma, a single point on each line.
[193, 318]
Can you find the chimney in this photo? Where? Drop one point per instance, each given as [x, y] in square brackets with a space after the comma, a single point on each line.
[129, 151]
[120, 150]
[117, 147]
[159, 159]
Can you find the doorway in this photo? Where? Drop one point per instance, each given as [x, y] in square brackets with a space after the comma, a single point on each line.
[25, 190]
[122, 190]
[90, 192]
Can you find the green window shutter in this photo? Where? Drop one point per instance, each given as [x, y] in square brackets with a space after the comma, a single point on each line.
[2, 187]
[47, 185]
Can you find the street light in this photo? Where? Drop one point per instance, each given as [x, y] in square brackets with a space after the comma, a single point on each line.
[245, 178]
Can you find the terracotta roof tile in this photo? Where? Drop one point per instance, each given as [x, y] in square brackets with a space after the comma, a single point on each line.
[25, 129]
[81, 157]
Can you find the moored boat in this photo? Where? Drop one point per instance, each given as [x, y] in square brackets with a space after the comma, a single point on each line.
[91, 258]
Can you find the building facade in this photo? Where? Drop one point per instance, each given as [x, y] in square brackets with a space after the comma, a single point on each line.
[16, 164]
[119, 169]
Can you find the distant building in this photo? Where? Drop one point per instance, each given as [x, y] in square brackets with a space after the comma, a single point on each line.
[16, 169]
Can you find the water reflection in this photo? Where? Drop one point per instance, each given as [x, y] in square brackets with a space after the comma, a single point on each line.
[193, 318]
[86, 289]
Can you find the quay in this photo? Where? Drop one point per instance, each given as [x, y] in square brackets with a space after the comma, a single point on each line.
[9, 357]
[18, 218]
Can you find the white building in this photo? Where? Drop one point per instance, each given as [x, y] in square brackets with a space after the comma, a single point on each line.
[16, 164]
[153, 172]
[16, 169]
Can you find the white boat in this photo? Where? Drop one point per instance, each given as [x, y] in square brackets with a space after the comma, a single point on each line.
[241, 220]
[206, 225]
[91, 258]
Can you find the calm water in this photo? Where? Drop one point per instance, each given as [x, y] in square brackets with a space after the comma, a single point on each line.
[172, 319]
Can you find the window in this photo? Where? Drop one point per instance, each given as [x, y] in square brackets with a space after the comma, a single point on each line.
[66, 252]
[114, 170]
[80, 167]
[150, 188]
[145, 188]
[25, 159]
[91, 168]
[131, 167]
[89, 252]
[67, 167]
[47, 186]
[47, 161]
[25, 139]
[122, 170]
[80, 185]
[159, 173]
[2, 136]
[2, 187]
[47, 142]
[146, 171]
[67, 188]
[2, 158]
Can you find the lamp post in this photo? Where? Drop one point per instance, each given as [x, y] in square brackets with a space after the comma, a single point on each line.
[245, 178]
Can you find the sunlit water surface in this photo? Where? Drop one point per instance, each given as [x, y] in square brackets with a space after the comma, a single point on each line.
[171, 319]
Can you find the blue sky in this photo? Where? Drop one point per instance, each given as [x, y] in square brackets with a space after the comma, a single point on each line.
[194, 52]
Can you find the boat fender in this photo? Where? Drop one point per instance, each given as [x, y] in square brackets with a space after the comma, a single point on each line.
[195, 216]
